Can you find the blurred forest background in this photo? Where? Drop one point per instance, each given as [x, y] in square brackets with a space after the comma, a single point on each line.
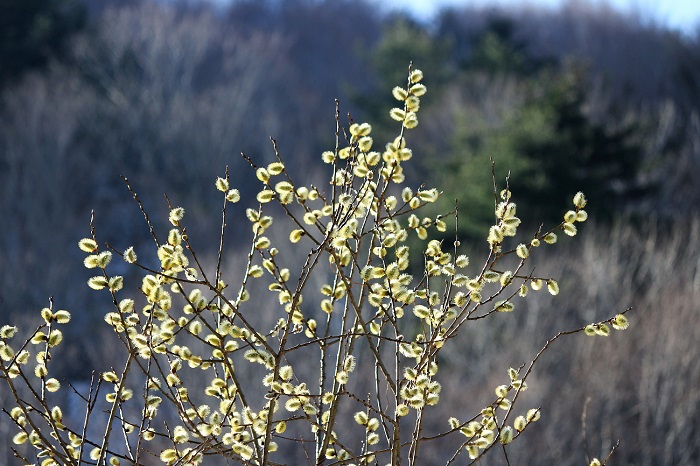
[578, 98]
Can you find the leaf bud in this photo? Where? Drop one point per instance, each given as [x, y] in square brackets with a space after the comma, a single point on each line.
[522, 251]
[413, 103]
[415, 76]
[130, 255]
[513, 374]
[97, 283]
[275, 168]
[263, 175]
[87, 245]
[176, 215]
[501, 391]
[506, 278]
[569, 229]
[233, 195]
[570, 216]
[533, 415]
[418, 90]
[221, 184]
[602, 330]
[620, 322]
[7, 331]
[506, 435]
[550, 238]
[399, 93]
[265, 196]
[361, 418]
[20, 438]
[62, 317]
[397, 114]
[411, 120]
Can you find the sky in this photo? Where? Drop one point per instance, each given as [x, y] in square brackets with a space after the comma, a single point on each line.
[677, 14]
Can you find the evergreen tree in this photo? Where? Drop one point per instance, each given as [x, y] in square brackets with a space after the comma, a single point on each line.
[529, 115]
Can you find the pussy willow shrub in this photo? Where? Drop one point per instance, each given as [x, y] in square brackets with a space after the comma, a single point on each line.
[186, 324]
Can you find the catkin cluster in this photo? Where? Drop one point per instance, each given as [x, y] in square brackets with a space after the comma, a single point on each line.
[365, 233]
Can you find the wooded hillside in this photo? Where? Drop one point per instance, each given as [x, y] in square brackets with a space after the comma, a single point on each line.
[584, 98]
